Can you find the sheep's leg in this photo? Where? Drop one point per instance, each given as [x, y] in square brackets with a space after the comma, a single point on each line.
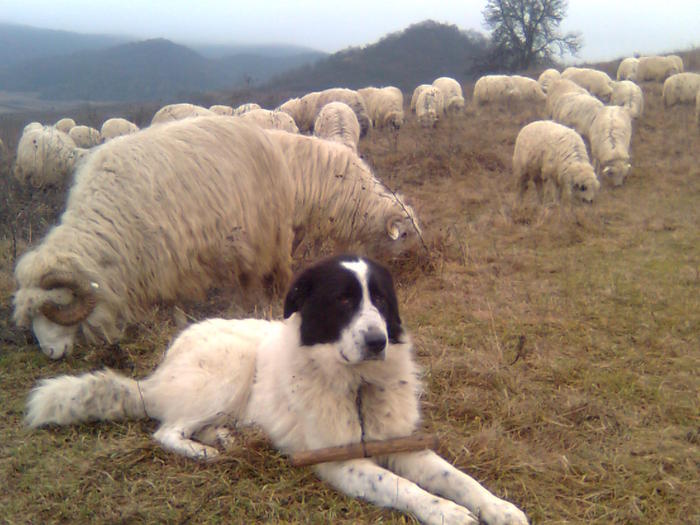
[177, 439]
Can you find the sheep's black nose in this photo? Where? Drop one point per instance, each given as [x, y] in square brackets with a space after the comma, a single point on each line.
[375, 342]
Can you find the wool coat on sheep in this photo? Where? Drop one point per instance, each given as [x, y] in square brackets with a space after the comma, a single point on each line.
[178, 112]
[45, 156]
[65, 124]
[629, 95]
[161, 215]
[527, 89]
[416, 93]
[85, 136]
[657, 68]
[545, 150]
[337, 122]
[430, 106]
[267, 119]
[627, 70]
[597, 83]
[245, 108]
[339, 199]
[116, 127]
[547, 77]
[558, 89]
[577, 110]
[348, 96]
[497, 89]
[451, 93]
[221, 109]
[384, 106]
[681, 88]
[610, 136]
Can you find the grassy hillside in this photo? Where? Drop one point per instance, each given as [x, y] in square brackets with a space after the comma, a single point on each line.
[560, 347]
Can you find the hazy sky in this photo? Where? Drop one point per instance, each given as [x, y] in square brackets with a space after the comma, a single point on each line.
[610, 28]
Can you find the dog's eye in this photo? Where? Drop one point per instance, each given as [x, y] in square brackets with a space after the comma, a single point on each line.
[345, 301]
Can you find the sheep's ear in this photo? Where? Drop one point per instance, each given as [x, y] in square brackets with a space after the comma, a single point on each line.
[392, 229]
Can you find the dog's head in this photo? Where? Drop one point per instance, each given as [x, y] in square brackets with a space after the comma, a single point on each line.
[349, 302]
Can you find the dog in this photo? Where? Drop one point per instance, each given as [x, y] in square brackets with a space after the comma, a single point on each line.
[338, 369]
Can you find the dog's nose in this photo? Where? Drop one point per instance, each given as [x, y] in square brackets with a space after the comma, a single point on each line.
[375, 342]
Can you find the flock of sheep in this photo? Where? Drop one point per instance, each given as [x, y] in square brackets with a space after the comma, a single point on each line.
[224, 196]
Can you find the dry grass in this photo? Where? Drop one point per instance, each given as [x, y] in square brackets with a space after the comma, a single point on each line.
[561, 350]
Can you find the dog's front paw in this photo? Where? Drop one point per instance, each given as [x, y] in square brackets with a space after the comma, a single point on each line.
[502, 512]
[449, 513]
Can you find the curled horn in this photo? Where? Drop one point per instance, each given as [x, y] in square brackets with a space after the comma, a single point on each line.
[392, 228]
[77, 310]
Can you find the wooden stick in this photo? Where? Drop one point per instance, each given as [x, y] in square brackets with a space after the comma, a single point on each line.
[363, 450]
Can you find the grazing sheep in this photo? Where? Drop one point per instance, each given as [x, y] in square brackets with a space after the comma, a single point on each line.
[337, 122]
[267, 119]
[678, 61]
[160, 215]
[547, 78]
[597, 83]
[85, 136]
[681, 88]
[577, 110]
[557, 90]
[178, 112]
[451, 94]
[494, 89]
[610, 136]
[627, 70]
[31, 126]
[416, 93]
[302, 110]
[221, 109]
[65, 124]
[384, 106]
[545, 150]
[339, 199]
[117, 127]
[429, 107]
[527, 89]
[656, 68]
[245, 108]
[348, 96]
[45, 156]
[629, 95]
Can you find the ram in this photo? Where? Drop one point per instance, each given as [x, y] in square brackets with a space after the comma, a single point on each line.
[547, 151]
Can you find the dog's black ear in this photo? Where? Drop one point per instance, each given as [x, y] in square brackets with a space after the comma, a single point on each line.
[297, 294]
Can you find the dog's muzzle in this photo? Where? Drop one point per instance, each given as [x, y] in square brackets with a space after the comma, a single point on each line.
[375, 343]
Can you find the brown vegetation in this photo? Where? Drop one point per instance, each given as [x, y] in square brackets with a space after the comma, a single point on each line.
[560, 345]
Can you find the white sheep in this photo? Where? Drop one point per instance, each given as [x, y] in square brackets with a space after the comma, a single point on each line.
[160, 215]
[45, 156]
[547, 151]
[65, 124]
[337, 122]
[179, 111]
[577, 110]
[678, 61]
[528, 89]
[681, 88]
[302, 110]
[610, 136]
[697, 108]
[416, 93]
[384, 106]
[629, 95]
[627, 70]
[451, 94]
[338, 198]
[267, 119]
[117, 127]
[547, 78]
[245, 108]
[656, 68]
[85, 136]
[494, 89]
[221, 109]
[429, 107]
[597, 83]
[348, 96]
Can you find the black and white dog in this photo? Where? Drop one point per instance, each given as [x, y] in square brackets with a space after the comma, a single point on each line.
[337, 370]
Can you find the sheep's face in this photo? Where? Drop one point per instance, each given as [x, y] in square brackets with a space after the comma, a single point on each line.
[585, 185]
[616, 171]
[404, 234]
[55, 340]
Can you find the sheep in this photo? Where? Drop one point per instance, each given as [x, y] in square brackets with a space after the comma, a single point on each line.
[416, 93]
[451, 94]
[429, 107]
[267, 119]
[629, 95]
[678, 61]
[337, 122]
[656, 68]
[245, 108]
[627, 70]
[610, 136]
[597, 83]
[179, 111]
[302, 110]
[494, 89]
[697, 108]
[45, 156]
[384, 106]
[545, 150]
[117, 127]
[160, 215]
[65, 124]
[348, 96]
[681, 88]
[32, 126]
[338, 198]
[577, 110]
[85, 136]
[547, 77]
[557, 90]
[527, 89]
[221, 109]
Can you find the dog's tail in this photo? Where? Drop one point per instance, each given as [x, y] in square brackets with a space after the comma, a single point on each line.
[103, 395]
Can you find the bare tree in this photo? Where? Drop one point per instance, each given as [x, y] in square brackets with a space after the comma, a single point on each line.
[525, 32]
